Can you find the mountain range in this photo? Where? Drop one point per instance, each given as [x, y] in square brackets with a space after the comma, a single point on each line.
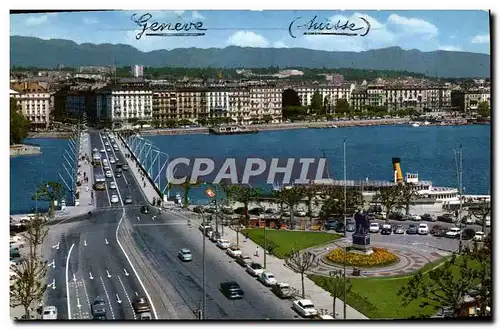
[36, 52]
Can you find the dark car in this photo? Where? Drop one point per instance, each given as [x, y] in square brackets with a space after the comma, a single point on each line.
[386, 230]
[340, 228]
[438, 230]
[351, 226]
[331, 224]
[141, 304]
[428, 217]
[98, 308]
[231, 290]
[447, 218]
[399, 229]
[468, 234]
[145, 209]
[412, 229]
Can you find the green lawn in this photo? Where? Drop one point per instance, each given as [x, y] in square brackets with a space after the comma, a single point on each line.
[378, 297]
[286, 240]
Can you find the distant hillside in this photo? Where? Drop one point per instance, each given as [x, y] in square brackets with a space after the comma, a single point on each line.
[29, 51]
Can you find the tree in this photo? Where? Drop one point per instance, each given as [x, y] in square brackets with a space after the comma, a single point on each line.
[50, 191]
[187, 186]
[316, 102]
[482, 211]
[342, 106]
[19, 125]
[267, 118]
[406, 196]
[301, 262]
[291, 196]
[336, 287]
[245, 194]
[483, 109]
[388, 197]
[28, 288]
[441, 288]
[311, 194]
[334, 203]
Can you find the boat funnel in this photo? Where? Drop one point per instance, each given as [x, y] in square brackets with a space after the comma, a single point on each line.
[398, 173]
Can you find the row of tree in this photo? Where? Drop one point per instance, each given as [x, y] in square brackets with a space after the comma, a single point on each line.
[19, 125]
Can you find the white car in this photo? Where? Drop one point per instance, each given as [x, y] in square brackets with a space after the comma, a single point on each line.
[267, 278]
[374, 227]
[233, 251]
[423, 229]
[114, 198]
[108, 174]
[103, 151]
[479, 236]
[112, 160]
[305, 308]
[108, 149]
[416, 217]
[49, 313]
[254, 269]
[106, 143]
[453, 233]
[223, 244]
[112, 185]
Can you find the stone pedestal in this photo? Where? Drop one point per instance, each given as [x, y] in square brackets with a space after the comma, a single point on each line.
[361, 243]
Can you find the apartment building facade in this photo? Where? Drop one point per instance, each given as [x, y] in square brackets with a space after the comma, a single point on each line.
[164, 106]
[239, 105]
[265, 103]
[330, 94]
[34, 101]
[469, 100]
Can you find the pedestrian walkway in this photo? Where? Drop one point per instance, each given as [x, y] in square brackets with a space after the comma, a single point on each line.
[320, 297]
[85, 178]
[139, 173]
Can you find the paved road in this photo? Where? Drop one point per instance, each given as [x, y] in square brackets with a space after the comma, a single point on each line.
[91, 246]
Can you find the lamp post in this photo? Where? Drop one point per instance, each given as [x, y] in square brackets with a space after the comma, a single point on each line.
[344, 278]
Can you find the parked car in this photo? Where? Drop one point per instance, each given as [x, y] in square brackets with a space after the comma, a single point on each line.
[331, 224]
[423, 229]
[216, 236]
[412, 229]
[244, 260]
[254, 269]
[340, 228]
[49, 313]
[351, 226]
[453, 233]
[233, 251]
[479, 236]
[399, 229]
[231, 290]
[185, 255]
[128, 200]
[305, 308]
[396, 216]
[429, 217]
[223, 244]
[386, 229]
[447, 218]
[374, 227]
[438, 230]
[267, 278]
[205, 228]
[282, 290]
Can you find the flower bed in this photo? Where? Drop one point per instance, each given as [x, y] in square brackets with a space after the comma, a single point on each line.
[379, 257]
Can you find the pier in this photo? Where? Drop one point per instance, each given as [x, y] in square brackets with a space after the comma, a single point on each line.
[24, 149]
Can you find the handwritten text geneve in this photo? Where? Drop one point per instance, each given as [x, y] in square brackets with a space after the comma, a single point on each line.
[147, 23]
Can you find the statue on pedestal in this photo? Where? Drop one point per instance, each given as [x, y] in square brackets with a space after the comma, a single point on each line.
[361, 237]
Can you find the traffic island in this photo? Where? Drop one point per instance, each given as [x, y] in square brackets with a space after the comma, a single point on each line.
[380, 257]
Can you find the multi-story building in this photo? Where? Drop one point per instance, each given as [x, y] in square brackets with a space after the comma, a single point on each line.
[97, 69]
[330, 94]
[358, 98]
[469, 100]
[265, 103]
[137, 71]
[164, 105]
[405, 97]
[217, 102]
[34, 101]
[191, 104]
[239, 105]
[376, 95]
[121, 102]
[74, 104]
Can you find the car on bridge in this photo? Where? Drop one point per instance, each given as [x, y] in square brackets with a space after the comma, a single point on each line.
[125, 167]
[108, 174]
[185, 255]
[114, 198]
[141, 305]
[128, 200]
[231, 290]
[112, 185]
[98, 309]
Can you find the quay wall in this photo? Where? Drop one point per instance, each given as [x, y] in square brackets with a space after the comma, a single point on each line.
[23, 149]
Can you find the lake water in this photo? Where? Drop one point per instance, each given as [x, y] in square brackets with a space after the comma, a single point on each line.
[427, 151]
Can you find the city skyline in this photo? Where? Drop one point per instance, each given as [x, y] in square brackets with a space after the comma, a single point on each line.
[421, 30]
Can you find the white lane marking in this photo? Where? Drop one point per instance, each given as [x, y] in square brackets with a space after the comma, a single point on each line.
[78, 303]
[90, 276]
[74, 277]
[126, 295]
[105, 183]
[118, 300]
[112, 172]
[56, 246]
[109, 300]
[133, 268]
[84, 243]
[153, 218]
[67, 281]
[106, 241]
[86, 294]
[52, 264]
[136, 293]
[138, 218]
[80, 314]
[107, 274]
[52, 285]
[126, 273]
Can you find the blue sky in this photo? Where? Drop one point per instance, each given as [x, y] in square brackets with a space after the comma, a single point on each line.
[422, 30]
